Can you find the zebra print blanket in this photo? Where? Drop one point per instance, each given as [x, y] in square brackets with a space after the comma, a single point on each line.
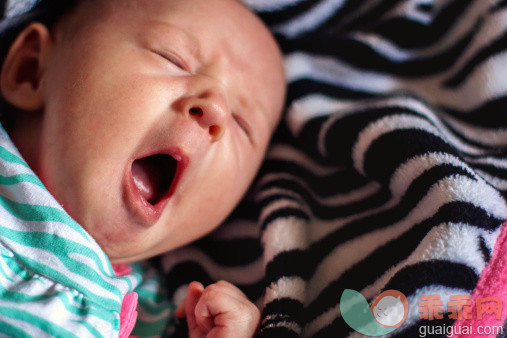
[389, 170]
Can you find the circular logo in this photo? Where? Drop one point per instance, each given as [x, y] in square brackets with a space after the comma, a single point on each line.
[390, 308]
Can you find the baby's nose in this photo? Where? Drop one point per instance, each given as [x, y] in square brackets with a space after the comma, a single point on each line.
[209, 108]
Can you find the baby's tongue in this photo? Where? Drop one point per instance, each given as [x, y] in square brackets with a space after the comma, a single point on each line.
[147, 178]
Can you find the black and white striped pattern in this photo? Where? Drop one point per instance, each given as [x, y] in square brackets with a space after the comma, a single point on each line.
[389, 170]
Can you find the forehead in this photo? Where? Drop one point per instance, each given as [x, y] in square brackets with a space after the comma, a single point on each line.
[223, 28]
[222, 34]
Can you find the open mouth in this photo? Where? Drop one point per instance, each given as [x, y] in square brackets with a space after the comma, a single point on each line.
[155, 176]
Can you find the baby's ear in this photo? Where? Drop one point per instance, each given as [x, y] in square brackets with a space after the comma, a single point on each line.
[21, 79]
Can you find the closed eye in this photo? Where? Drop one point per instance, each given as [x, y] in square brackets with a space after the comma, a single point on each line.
[174, 59]
[245, 127]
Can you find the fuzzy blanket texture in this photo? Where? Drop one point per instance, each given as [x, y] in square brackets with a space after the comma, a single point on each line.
[389, 170]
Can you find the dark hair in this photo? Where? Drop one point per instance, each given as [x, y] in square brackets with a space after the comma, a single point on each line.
[46, 12]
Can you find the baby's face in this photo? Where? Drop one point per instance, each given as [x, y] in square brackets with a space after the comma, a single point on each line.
[157, 115]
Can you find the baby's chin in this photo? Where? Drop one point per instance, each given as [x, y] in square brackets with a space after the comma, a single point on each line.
[121, 253]
[124, 243]
[141, 245]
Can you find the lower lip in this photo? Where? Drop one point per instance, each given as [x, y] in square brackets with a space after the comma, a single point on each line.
[147, 212]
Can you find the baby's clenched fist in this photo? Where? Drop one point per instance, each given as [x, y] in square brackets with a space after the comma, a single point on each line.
[220, 310]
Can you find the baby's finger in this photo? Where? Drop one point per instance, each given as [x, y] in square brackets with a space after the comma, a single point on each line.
[180, 311]
[214, 302]
[224, 312]
[233, 291]
[194, 293]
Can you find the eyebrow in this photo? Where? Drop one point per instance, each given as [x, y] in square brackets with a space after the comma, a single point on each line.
[191, 43]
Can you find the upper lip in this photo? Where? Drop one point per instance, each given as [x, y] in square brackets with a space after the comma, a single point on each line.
[149, 213]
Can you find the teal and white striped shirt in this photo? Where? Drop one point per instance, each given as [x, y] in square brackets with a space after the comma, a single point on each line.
[55, 280]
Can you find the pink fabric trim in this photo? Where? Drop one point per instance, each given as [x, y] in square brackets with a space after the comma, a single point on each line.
[128, 314]
[492, 283]
[121, 269]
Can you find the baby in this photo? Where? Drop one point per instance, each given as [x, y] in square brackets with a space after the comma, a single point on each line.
[147, 121]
